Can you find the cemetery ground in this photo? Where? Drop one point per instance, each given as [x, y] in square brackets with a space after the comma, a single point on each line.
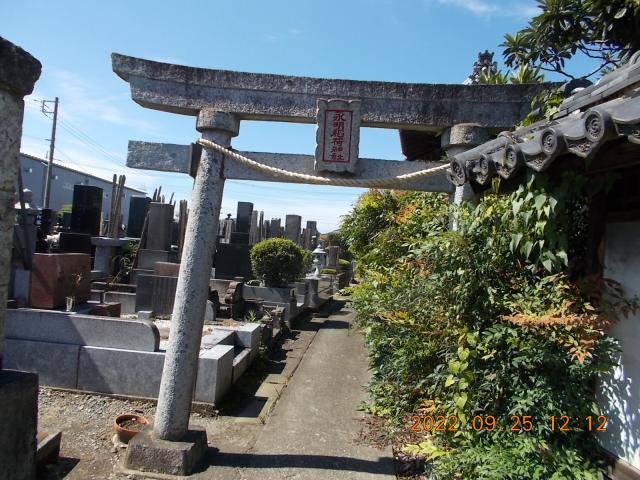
[294, 414]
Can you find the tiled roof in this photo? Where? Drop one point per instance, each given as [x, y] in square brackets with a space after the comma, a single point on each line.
[598, 114]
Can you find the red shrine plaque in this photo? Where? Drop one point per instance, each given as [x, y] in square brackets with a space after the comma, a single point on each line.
[338, 135]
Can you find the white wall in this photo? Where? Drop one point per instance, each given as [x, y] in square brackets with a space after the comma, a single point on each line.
[619, 394]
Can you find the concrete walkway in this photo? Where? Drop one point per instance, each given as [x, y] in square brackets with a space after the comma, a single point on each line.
[312, 432]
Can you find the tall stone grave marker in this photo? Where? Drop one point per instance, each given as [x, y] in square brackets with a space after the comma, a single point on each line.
[159, 229]
[86, 209]
[292, 224]
[138, 207]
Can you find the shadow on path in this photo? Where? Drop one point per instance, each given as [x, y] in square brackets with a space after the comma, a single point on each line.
[318, 462]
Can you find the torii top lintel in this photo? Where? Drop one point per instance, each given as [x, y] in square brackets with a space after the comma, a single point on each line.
[255, 96]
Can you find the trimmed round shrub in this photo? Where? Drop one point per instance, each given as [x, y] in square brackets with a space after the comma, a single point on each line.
[278, 261]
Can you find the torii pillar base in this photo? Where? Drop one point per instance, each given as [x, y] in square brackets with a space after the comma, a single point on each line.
[148, 453]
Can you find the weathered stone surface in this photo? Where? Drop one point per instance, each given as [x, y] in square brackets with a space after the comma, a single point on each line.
[76, 329]
[179, 374]
[11, 111]
[366, 169]
[55, 363]
[55, 276]
[18, 417]
[463, 135]
[337, 135]
[146, 452]
[19, 70]
[252, 96]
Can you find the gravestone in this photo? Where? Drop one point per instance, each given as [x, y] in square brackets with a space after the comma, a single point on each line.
[338, 135]
[166, 269]
[262, 234]
[333, 255]
[243, 217]
[232, 260]
[138, 207]
[86, 209]
[155, 293]
[311, 231]
[253, 229]
[71, 242]
[159, 229]
[292, 224]
[55, 276]
[274, 228]
[228, 228]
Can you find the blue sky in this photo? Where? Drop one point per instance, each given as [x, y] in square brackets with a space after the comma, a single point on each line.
[428, 41]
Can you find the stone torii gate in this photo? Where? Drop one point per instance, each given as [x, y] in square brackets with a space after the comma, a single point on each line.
[463, 115]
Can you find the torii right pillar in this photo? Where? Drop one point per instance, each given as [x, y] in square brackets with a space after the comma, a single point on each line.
[455, 140]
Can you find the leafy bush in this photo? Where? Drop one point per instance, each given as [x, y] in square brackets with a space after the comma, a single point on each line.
[485, 321]
[278, 261]
[329, 271]
[343, 264]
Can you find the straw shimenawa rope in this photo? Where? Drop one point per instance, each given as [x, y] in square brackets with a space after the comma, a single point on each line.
[324, 180]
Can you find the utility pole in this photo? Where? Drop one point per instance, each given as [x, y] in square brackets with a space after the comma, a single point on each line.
[47, 184]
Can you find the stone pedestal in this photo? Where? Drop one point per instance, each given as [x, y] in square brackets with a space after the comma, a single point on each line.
[105, 251]
[18, 418]
[148, 453]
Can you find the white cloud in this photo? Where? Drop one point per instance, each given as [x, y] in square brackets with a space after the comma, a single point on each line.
[485, 8]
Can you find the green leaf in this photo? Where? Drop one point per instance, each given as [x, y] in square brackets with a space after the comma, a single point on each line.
[563, 256]
[454, 366]
[540, 200]
[463, 353]
[449, 381]
[460, 400]
[547, 264]
[528, 246]
[515, 241]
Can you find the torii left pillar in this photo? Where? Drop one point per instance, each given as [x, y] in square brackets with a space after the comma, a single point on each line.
[172, 447]
[18, 390]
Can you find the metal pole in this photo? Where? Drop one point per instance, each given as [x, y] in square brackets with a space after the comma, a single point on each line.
[47, 185]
